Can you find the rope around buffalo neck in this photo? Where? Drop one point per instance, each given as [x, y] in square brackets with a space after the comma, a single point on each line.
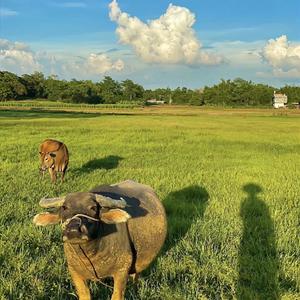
[99, 279]
[64, 224]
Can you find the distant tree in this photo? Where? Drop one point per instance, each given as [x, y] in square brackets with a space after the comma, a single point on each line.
[110, 90]
[131, 91]
[186, 96]
[237, 92]
[56, 89]
[35, 85]
[293, 93]
[82, 92]
[11, 86]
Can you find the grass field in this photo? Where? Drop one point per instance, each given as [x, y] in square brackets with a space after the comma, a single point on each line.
[229, 182]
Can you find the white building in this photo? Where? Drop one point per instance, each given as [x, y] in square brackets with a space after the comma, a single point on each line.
[154, 101]
[279, 100]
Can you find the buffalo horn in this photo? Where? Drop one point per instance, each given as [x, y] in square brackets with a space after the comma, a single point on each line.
[52, 202]
[109, 202]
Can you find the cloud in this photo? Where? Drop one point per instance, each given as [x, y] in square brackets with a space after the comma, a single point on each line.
[283, 56]
[6, 12]
[19, 58]
[170, 39]
[94, 64]
[240, 53]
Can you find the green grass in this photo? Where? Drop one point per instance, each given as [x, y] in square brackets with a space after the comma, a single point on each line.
[46, 104]
[230, 185]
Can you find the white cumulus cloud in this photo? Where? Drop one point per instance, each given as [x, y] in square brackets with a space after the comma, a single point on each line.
[94, 64]
[283, 56]
[19, 58]
[170, 39]
[101, 63]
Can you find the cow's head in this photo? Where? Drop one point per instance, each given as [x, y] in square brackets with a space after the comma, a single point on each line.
[81, 214]
[47, 160]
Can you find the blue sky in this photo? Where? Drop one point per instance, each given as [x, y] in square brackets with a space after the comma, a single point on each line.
[189, 43]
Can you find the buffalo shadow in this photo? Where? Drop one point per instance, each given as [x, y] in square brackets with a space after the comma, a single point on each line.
[183, 208]
[106, 163]
[258, 259]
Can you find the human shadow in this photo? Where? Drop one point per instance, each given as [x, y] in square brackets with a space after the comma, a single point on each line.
[107, 163]
[183, 207]
[258, 260]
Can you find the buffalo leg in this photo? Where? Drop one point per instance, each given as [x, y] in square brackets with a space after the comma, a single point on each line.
[81, 286]
[120, 281]
[135, 277]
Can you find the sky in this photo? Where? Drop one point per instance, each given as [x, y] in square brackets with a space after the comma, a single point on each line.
[154, 43]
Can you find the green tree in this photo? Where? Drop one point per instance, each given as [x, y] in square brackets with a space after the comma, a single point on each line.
[56, 89]
[11, 87]
[35, 85]
[293, 93]
[81, 92]
[132, 91]
[110, 90]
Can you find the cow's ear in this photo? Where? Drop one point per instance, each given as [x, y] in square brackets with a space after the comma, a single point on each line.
[45, 219]
[114, 216]
[52, 154]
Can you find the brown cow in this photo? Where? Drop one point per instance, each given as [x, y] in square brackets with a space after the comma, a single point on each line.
[54, 156]
[112, 231]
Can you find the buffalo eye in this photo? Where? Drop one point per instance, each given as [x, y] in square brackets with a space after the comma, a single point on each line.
[93, 208]
[64, 207]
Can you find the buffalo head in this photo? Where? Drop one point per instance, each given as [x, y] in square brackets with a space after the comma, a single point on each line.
[81, 214]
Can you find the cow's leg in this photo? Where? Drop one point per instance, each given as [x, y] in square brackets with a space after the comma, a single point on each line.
[52, 175]
[81, 286]
[120, 281]
[63, 174]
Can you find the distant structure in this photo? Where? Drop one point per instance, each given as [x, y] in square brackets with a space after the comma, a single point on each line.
[279, 100]
[154, 101]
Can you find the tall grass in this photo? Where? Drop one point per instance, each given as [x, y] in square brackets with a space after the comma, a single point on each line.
[229, 183]
[44, 104]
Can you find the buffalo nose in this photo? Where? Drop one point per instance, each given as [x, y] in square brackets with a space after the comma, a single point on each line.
[83, 229]
[74, 225]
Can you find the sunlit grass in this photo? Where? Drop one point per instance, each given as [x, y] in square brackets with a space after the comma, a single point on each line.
[230, 185]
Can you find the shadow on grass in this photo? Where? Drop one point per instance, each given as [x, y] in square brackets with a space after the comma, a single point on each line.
[258, 260]
[107, 163]
[37, 113]
[183, 208]
[43, 113]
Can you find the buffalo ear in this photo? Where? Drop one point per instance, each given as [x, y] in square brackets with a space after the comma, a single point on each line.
[52, 154]
[46, 218]
[114, 216]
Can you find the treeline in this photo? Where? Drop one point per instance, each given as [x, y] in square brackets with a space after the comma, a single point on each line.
[236, 92]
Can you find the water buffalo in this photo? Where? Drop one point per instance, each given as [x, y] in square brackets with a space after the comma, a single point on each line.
[54, 156]
[112, 231]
